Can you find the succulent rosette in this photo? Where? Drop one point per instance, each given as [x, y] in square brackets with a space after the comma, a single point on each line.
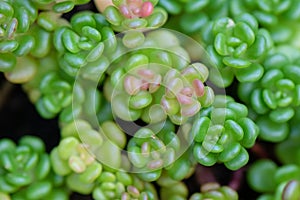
[275, 98]
[49, 90]
[25, 34]
[190, 16]
[149, 153]
[16, 39]
[73, 159]
[26, 172]
[134, 14]
[91, 144]
[52, 92]
[236, 46]
[154, 98]
[276, 16]
[122, 185]
[157, 81]
[13, 23]
[80, 44]
[275, 182]
[52, 87]
[84, 157]
[222, 133]
[56, 94]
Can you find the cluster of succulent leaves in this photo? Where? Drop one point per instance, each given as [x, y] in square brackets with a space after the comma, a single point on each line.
[172, 189]
[89, 75]
[75, 159]
[122, 15]
[274, 180]
[277, 182]
[222, 132]
[156, 84]
[236, 46]
[275, 97]
[26, 171]
[24, 32]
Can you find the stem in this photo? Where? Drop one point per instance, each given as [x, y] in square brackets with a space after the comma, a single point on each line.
[204, 175]
[237, 178]
[258, 150]
[4, 92]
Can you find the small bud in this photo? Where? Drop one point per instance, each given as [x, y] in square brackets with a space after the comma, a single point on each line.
[132, 85]
[171, 74]
[136, 11]
[198, 87]
[145, 149]
[133, 191]
[173, 87]
[191, 109]
[155, 164]
[125, 11]
[187, 91]
[85, 156]
[146, 74]
[184, 99]
[170, 106]
[155, 83]
[125, 196]
[76, 164]
[146, 9]
[144, 85]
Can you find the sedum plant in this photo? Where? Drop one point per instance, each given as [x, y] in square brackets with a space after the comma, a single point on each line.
[190, 16]
[275, 98]
[276, 16]
[122, 185]
[214, 191]
[156, 83]
[277, 182]
[222, 133]
[236, 46]
[127, 15]
[171, 189]
[80, 44]
[26, 171]
[141, 107]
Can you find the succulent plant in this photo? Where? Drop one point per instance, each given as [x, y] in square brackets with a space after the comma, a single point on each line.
[266, 177]
[275, 97]
[236, 47]
[26, 171]
[142, 108]
[222, 133]
[134, 14]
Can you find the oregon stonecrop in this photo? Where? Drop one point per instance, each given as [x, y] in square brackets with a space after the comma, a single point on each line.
[127, 15]
[275, 98]
[26, 171]
[139, 106]
[222, 133]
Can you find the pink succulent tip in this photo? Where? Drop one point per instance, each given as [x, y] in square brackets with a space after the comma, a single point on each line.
[198, 87]
[146, 9]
